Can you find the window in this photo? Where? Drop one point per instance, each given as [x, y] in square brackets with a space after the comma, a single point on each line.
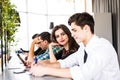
[36, 16]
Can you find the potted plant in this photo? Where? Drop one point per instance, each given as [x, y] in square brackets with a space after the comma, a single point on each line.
[9, 25]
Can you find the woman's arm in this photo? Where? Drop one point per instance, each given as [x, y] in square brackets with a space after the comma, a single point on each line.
[52, 56]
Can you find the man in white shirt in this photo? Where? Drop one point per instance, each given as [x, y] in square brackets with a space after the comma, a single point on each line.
[101, 58]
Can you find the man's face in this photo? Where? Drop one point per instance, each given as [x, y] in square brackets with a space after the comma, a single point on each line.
[42, 44]
[39, 42]
[77, 32]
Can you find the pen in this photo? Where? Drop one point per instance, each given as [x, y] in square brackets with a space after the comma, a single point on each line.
[35, 60]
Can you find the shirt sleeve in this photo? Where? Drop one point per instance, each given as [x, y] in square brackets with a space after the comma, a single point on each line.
[76, 73]
[86, 71]
[74, 59]
[68, 62]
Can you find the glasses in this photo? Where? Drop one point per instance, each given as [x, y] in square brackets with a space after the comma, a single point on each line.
[39, 42]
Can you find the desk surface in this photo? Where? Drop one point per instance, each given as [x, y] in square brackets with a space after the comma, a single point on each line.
[14, 65]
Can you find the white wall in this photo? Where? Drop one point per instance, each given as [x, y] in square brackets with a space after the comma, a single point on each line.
[36, 16]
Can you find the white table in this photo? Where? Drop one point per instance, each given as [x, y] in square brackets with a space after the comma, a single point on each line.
[14, 65]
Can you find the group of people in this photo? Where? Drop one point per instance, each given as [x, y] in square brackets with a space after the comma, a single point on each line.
[78, 54]
[57, 45]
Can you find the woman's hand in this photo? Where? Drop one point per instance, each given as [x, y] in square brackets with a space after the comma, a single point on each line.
[53, 44]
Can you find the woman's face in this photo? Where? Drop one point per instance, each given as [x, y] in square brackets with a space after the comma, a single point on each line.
[61, 37]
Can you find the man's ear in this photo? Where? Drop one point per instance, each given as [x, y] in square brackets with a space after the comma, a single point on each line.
[86, 27]
[45, 41]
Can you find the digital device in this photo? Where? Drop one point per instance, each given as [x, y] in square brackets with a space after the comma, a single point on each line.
[21, 59]
[18, 71]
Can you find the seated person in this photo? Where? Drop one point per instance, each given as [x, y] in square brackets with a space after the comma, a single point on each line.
[44, 41]
[41, 41]
[97, 60]
[62, 46]
[37, 51]
[61, 36]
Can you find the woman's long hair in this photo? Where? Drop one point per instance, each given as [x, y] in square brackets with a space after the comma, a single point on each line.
[71, 41]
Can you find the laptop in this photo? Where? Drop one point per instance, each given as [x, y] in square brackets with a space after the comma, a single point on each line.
[22, 60]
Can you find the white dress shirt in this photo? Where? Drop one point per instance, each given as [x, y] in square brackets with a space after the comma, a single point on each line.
[101, 64]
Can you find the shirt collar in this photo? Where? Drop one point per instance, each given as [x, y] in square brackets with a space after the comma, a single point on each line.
[91, 43]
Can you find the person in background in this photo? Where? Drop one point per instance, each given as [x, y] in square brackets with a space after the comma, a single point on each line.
[36, 52]
[39, 50]
[41, 41]
[44, 36]
[96, 60]
[62, 45]
[61, 36]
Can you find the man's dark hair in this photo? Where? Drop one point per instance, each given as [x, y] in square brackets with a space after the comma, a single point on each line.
[45, 36]
[35, 35]
[82, 19]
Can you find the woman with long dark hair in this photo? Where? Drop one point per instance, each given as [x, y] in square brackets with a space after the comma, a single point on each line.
[61, 36]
